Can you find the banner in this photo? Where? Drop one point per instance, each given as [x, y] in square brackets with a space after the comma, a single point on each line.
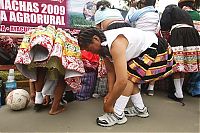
[19, 16]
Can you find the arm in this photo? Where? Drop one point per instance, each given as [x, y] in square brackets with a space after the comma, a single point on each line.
[110, 76]
[118, 52]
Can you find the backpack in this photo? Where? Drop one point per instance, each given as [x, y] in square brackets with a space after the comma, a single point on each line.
[88, 81]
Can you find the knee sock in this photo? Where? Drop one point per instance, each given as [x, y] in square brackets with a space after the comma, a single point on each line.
[150, 87]
[120, 105]
[178, 87]
[137, 100]
[139, 86]
[38, 98]
[182, 81]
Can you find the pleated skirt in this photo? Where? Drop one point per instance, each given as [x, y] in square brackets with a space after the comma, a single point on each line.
[155, 63]
[185, 44]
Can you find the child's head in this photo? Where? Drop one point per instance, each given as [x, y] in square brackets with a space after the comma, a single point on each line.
[188, 3]
[150, 2]
[144, 3]
[104, 16]
[103, 4]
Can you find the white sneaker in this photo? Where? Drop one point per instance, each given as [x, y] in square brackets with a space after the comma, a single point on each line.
[110, 119]
[135, 111]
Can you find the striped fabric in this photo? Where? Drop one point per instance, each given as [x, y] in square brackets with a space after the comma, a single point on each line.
[153, 64]
[185, 44]
[88, 84]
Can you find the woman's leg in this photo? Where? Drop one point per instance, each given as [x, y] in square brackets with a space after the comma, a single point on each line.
[41, 73]
[182, 79]
[122, 101]
[48, 90]
[32, 90]
[150, 89]
[118, 116]
[178, 82]
[130, 90]
[58, 93]
[138, 108]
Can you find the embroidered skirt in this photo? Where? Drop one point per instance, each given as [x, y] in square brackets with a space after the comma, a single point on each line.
[185, 44]
[53, 49]
[154, 63]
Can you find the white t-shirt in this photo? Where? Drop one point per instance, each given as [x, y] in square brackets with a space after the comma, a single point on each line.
[138, 40]
[147, 22]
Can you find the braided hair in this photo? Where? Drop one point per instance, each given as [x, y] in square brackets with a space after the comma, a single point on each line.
[85, 38]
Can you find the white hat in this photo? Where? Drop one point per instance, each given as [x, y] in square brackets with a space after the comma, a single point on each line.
[107, 13]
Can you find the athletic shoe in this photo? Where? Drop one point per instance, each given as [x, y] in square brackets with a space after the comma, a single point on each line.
[110, 119]
[135, 111]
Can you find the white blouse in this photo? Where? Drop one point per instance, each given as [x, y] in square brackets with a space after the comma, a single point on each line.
[138, 40]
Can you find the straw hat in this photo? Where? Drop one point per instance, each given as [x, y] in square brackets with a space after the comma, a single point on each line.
[186, 0]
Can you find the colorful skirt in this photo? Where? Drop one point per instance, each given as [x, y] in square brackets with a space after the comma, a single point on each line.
[56, 50]
[185, 44]
[155, 63]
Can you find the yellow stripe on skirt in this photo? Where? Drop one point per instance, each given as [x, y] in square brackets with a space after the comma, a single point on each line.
[154, 63]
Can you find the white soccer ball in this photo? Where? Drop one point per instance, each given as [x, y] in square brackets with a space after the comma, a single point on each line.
[18, 99]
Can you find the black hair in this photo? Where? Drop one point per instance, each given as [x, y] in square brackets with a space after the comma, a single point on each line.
[171, 6]
[103, 4]
[150, 2]
[85, 38]
[190, 4]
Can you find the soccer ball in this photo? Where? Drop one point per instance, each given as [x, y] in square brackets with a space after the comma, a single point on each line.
[18, 99]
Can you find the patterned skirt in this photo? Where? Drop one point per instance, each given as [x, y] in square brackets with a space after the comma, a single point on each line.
[53, 49]
[185, 44]
[154, 63]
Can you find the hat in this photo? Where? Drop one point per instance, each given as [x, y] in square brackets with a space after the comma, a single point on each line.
[107, 13]
[186, 1]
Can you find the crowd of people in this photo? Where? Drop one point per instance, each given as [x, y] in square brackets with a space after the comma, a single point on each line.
[143, 47]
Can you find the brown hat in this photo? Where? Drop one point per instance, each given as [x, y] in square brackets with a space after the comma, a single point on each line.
[186, 1]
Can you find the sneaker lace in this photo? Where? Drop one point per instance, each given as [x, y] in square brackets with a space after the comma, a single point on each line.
[139, 110]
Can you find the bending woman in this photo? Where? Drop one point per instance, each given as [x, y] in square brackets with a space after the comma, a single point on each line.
[50, 57]
[132, 58]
